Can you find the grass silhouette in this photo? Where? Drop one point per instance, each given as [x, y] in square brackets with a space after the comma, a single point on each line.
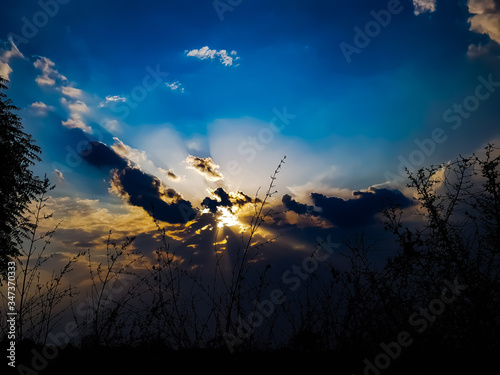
[142, 315]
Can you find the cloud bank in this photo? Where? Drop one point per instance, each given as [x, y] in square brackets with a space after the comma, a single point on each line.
[358, 211]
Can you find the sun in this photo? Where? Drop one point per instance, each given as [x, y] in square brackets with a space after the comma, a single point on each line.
[226, 218]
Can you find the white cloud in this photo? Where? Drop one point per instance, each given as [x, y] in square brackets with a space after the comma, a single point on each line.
[203, 53]
[207, 53]
[140, 160]
[5, 56]
[77, 106]
[76, 109]
[424, 6]
[225, 58]
[72, 92]
[175, 86]
[49, 74]
[5, 70]
[132, 154]
[485, 18]
[40, 108]
[474, 51]
[111, 125]
[112, 99]
[77, 122]
[194, 144]
[481, 6]
[59, 175]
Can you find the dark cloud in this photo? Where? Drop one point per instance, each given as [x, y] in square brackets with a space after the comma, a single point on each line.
[225, 200]
[204, 166]
[148, 192]
[360, 210]
[171, 175]
[77, 237]
[212, 204]
[100, 155]
[139, 188]
[295, 206]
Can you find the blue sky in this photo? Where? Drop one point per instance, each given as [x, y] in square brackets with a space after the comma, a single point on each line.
[217, 94]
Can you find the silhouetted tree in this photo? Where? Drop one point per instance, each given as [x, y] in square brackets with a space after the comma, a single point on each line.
[18, 186]
[454, 241]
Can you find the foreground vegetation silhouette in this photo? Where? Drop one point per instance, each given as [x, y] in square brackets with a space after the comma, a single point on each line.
[18, 186]
[430, 306]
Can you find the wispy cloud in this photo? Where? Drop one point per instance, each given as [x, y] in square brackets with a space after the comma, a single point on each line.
[206, 53]
[76, 109]
[125, 151]
[474, 50]
[49, 74]
[111, 125]
[72, 92]
[40, 108]
[424, 6]
[5, 56]
[59, 175]
[77, 106]
[112, 99]
[139, 159]
[175, 86]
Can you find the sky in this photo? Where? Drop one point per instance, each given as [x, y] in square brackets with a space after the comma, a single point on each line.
[189, 107]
